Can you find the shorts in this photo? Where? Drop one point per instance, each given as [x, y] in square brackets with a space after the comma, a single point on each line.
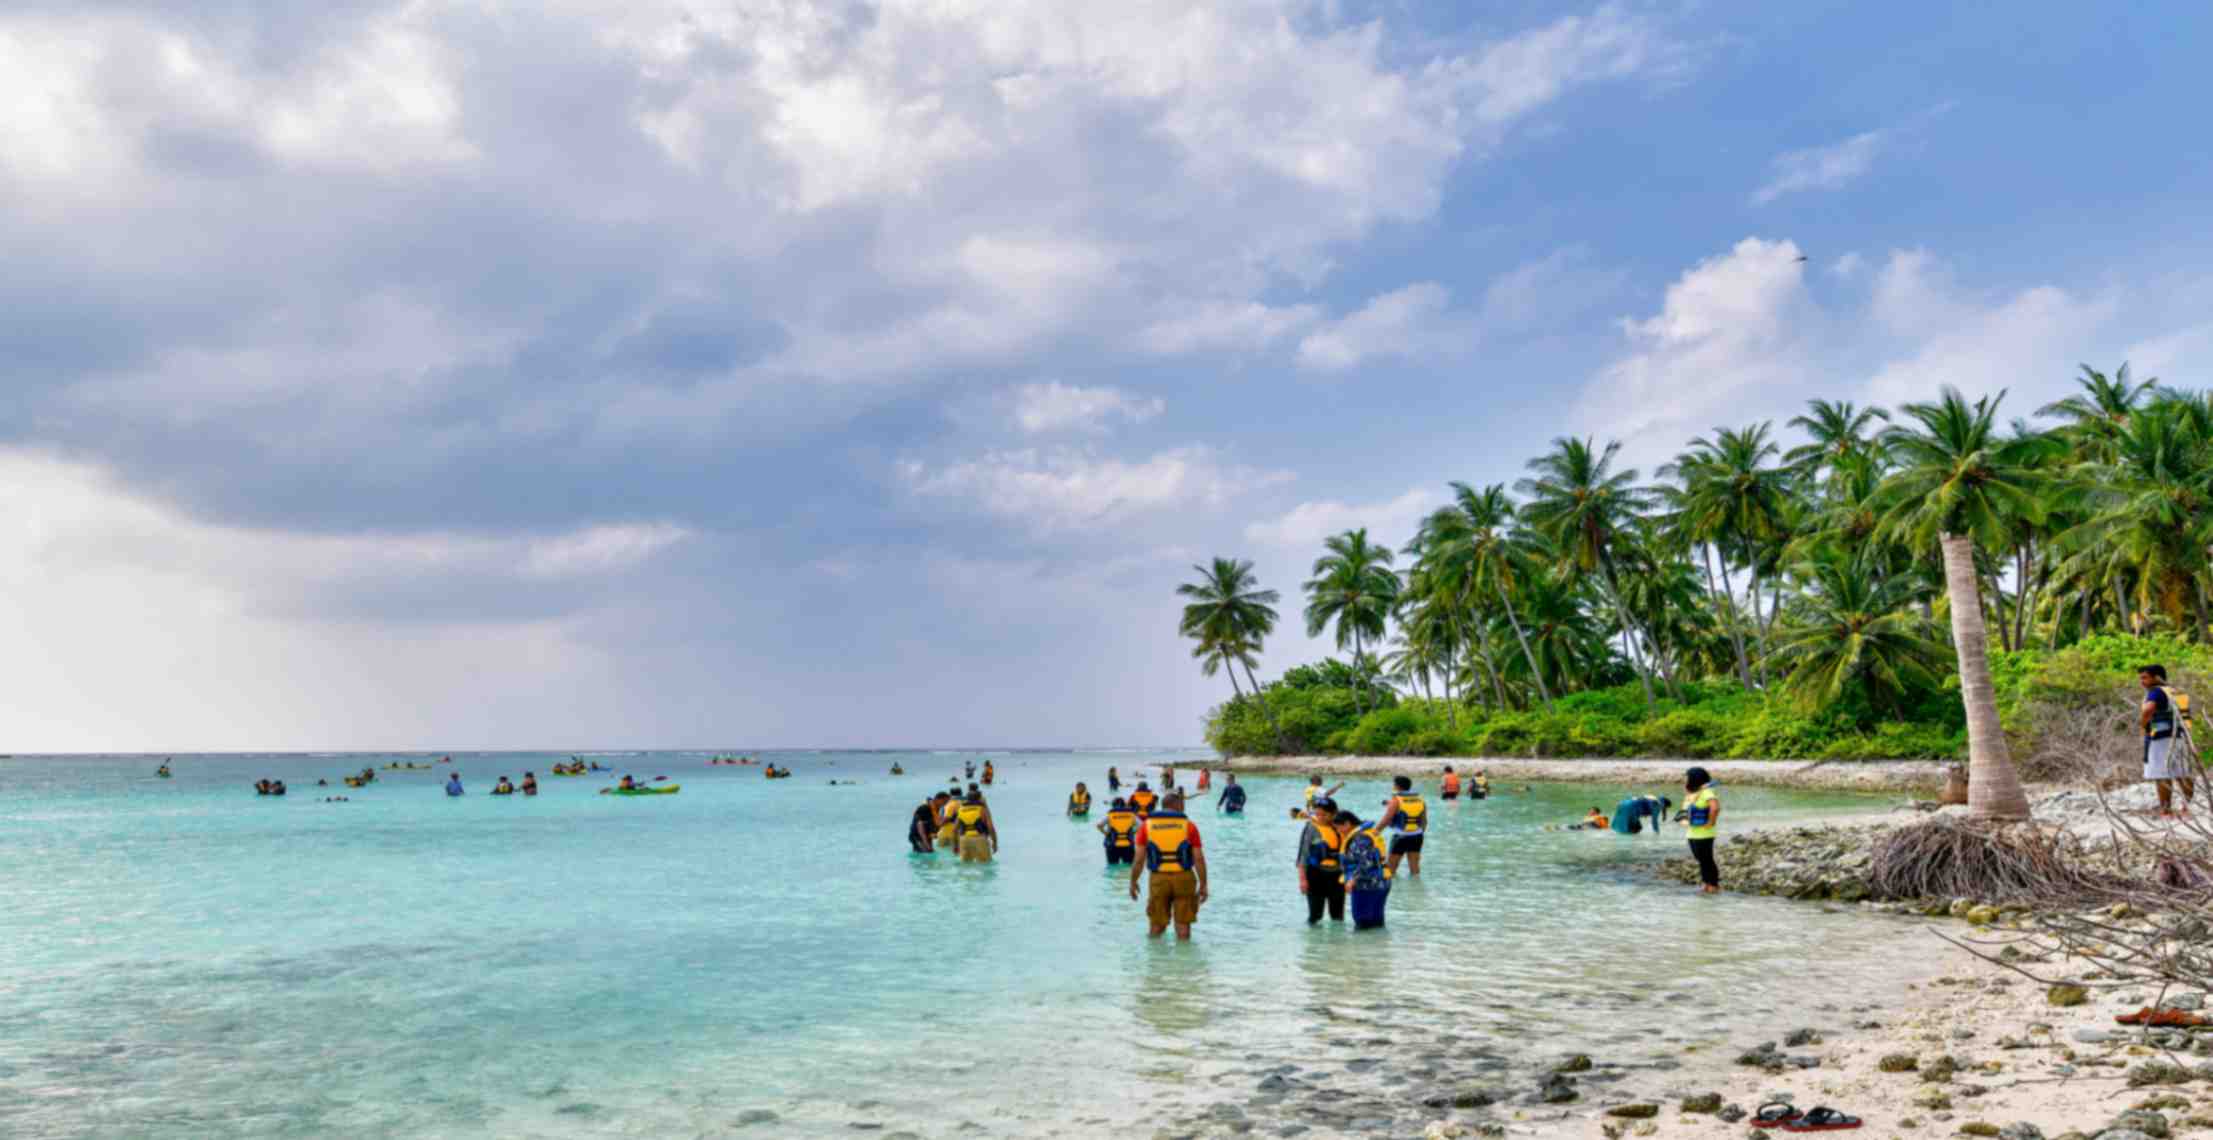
[975, 849]
[1173, 894]
[2163, 762]
[1449, 795]
[1406, 844]
[1121, 856]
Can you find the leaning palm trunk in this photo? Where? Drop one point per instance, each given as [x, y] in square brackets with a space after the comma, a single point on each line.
[1543, 693]
[1729, 608]
[1759, 621]
[1993, 787]
[1260, 698]
[1629, 626]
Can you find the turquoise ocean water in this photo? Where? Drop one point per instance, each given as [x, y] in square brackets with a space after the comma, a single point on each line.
[179, 958]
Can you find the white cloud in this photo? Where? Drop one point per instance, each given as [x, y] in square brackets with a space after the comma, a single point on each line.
[1839, 163]
[1304, 527]
[1405, 323]
[1054, 406]
[1224, 326]
[2021, 342]
[1059, 489]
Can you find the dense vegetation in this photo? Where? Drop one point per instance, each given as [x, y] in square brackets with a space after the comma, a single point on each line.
[1750, 600]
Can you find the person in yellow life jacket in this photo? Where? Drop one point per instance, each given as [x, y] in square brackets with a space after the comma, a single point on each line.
[1120, 833]
[1406, 815]
[1173, 854]
[947, 803]
[1448, 788]
[1321, 862]
[1079, 801]
[979, 840]
[1702, 812]
[1315, 791]
[1142, 800]
[1482, 789]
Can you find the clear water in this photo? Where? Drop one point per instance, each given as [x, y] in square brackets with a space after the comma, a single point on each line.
[179, 958]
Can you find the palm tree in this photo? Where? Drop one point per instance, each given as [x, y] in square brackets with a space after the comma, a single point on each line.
[1730, 494]
[1582, 504]
[1353, 586]
[1473, 551]
[1958, 484]
[1851, 629]
[1229, 616]
[2096, 414]
[1835, 432]
[2149, 512]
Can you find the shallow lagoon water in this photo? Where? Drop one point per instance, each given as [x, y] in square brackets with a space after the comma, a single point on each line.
[180, 958]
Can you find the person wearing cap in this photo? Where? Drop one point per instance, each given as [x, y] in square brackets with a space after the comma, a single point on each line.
[1321, 862]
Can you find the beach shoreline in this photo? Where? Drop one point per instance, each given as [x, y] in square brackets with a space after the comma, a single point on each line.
[1925, 776]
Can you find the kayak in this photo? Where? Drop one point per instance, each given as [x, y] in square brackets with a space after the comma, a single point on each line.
[663, 790]
[568, 773]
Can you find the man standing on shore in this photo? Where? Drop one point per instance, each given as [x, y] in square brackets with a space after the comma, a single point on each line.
[1173, 854]
[2164, 764]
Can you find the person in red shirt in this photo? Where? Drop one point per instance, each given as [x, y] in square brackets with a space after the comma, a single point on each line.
[1172, 852]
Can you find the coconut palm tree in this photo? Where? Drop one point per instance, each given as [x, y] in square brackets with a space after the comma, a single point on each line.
[1850, 629]
[1472, 550]
[1958, 484]
[2149, 509]
[1353, 587]
[1582, 504]
[1835, 433]
[2096, 414]
[1228, 606]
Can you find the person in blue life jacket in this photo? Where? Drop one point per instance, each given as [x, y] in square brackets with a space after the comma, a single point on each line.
[1367, 870]
[1232, 800]
[453, 784]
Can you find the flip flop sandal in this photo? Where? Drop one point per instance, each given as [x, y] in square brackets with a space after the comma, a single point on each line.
[1774, 1114]
[1822, 1119]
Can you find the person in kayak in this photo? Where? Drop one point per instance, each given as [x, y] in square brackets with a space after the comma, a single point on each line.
[1079, 801]
[1120, 833]
[626, 783]
[162, 771]
[453, 784]
[530, 783]
[1232, 801]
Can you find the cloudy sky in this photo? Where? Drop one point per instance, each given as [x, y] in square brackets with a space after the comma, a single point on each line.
[806, 372]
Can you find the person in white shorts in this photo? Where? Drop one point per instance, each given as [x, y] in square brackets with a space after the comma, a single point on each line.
[2164, 763]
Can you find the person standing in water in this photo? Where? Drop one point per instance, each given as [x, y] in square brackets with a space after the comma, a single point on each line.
[1206, 779]
[1408, 816]
[1120, 833]
[1114, 780]
[1367, 874]
[979, 840]
[1079, 801]
[1177, 861]
[1315, 792]
[1448, 788]
[530, 783]
[1233, 797]
[1321, 862]
[2165, 765]
[1702, 811]
[922, 829]
[1142, 800]
[989, 773]
[453, 784]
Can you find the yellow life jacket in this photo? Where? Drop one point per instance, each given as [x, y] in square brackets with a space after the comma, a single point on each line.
[1142, 803]
[1698, 812]
[1121, 828]
[1328, 854]
[1168, 843]
[970, 819]
[1413, 813]
[1079, 803]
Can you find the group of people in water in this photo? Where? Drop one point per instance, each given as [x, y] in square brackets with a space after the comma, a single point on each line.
[955, 820]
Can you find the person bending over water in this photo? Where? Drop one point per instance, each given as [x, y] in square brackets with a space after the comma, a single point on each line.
[922, 829]
[1232, 801]
[1177, 862]
[1079, 801]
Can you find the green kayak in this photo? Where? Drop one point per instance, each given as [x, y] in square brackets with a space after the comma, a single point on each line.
[663, 790]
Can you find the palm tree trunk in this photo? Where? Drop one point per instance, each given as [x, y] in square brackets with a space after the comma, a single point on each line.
[1542, 692]
[1490, 663]
[1628, 623]
[1359, 675]
[2197, 587]
[1729, 609]
[1759, 623]
[2022, 588]
[1283, 747]
[1996, 599]
[1993, 787]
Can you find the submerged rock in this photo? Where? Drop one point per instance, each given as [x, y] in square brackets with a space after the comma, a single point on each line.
[2066, 995]
[1702, 1103]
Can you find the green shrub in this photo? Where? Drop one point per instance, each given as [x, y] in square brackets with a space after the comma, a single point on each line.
[1693, 732]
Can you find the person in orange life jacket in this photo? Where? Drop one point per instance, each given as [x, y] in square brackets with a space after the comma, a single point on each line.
[1321, 862]
[1142, 800]
[1173, 854]
[1120, 833]
[1448, 788]
[1406, 814]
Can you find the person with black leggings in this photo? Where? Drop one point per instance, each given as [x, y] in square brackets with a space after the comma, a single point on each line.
[1321, 862]
[1702, 812]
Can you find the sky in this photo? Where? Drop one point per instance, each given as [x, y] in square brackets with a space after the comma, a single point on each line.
[812, 373]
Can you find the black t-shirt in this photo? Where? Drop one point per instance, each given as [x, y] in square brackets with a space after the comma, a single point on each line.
[925, 819]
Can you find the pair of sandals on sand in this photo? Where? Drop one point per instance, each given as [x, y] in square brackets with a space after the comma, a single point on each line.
[1783, 1118]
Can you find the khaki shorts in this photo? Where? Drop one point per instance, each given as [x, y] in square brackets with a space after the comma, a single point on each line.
[975, 849]
[1173, 894]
